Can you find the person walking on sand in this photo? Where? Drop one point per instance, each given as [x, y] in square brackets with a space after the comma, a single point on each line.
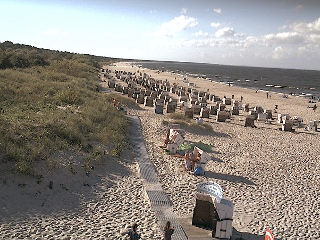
[314, 107]
[133, 232]
[168, 231]
[267, 95]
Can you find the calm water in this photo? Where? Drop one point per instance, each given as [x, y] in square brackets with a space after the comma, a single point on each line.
[293, 81]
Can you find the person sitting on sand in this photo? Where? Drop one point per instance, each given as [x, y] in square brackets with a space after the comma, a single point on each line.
[198, 157]
[133, 232]
[168, 231]
[197, 160]
[192, 160]
[167, 140]
[187, 164]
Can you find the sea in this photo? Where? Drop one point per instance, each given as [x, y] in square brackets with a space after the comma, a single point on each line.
[304, 83]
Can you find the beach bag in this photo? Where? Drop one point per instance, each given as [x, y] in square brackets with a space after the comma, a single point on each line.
[198, 171]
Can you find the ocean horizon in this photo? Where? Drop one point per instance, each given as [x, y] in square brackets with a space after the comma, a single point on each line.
[289, 81]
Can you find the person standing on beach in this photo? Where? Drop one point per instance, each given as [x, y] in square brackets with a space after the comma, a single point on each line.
[133, 232]
[168, 231]
[114, 101]
[267, 95]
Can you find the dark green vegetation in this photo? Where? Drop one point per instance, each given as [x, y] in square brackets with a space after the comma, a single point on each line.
[49, 103]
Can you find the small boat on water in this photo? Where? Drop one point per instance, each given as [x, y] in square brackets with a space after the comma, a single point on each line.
[247, 80]
[278, 86]
[269, 85]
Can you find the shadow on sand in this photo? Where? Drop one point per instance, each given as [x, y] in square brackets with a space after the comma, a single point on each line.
[215, 159]
[202, 233]
[59, 190]
[227, 177]
[202, 130]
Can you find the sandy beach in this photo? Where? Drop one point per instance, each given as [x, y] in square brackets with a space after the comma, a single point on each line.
[100, 206]
[271, 176]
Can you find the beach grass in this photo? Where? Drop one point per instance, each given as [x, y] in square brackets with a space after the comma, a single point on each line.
[56, 107]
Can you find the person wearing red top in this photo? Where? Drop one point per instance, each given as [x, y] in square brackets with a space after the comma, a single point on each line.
[114, 101]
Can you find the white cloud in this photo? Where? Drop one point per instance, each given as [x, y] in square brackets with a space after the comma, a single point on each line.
[284, 38]
[201, 34]
[206, 42]
[296, 34]
[296, 45]
[217, 10]
[215, 24]
[225, 32]
[184, 11]
[299, 7]
[278, 53]
[177, 25]
[303, 27]
[250, 41]
[314, 38]
[54, 33]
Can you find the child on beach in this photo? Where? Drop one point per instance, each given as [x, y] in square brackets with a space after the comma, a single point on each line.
[168, 231]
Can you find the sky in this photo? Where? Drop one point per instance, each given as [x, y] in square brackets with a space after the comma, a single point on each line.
[273, 33]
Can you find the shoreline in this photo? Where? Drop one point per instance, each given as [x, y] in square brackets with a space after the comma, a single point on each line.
[316, 95]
